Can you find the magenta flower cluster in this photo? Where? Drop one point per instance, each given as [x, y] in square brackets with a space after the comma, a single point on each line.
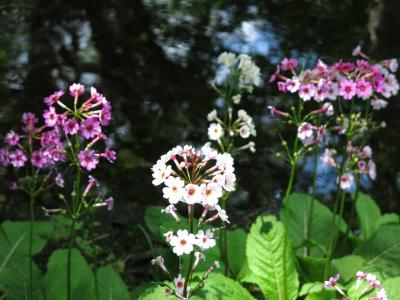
[47, 145]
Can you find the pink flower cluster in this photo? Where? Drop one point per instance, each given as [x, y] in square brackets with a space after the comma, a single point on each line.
[358, 161]
[342, 79]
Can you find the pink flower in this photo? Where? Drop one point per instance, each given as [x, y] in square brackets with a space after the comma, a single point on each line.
[327, 158]
[364, 89]
[17, 158]
[88, 159]
[307, 91]
[275, 112]
[282, 87]
[38, 159]
[50, 117]
[12, 138]
[356, 51]
[288, 64]
[347, 89]
[332, 281]
[76, 90]
[4, 158]
[109, 154]
[71, 127]
[53, 98]
[331, 90]
[293, 85]
[327, 109]
[90, 128]
[272, 78]
[305, 131]
[105, 114]
[29, 119]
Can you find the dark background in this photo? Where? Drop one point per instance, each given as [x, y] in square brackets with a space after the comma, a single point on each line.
[154, 61]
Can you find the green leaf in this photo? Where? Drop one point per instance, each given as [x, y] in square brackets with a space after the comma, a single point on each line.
[55, 280]
[236, 250]
[219, 287]
[348, 266]
[110, 285]
[159, 223]
[265, 252]
[321, 223]
[153, 292]
[382, 252]
[389, 219]
[15, 280]
[14, 239]
[392, 287]
[369, 215]
[312, 268]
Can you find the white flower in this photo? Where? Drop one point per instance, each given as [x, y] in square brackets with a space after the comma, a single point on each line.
[228, 59]
[381, 295]
[183, 242]
[192, 194]
[372, 169]
[222, 214]
[174, 189]
[244, 131]
[171, 209]
[250, 72]
[211, 193]
[378, 104]
[179, 283]
[215, 131]
[292, 85]
[237, 99]
[212, 116]
[168, 235]
[199, 256]
[243, 115]
[230, 180]
[225, 162]
[205, 239]
[160, 173]
[208, 152]
[346, 181]
[328, 109]
[393, 65]
[331, 91]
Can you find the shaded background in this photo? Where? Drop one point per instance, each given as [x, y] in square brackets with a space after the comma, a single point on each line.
[154, 61]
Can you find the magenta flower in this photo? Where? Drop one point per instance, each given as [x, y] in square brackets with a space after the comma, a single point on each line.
[76, 90]
[364, 89]
[305, 131]
[53, 98]
[17, 158]
[88, 159]
[4, 158]
[105, 114]
[288, 64]
[29, 119]
[12, 138]
[332, 281]
[90, 128]
[71, 127]
[109, 154]
[59, 180]
[38, 159]
[348, 89]
[50, 117]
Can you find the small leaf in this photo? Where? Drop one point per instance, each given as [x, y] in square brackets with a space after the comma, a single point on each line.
[369, 215]
[265, 251]
[348, 266]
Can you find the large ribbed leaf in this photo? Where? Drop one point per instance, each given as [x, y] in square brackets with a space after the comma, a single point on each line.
[382, 252]
[320, 231]
[369, 215]
[277, 277]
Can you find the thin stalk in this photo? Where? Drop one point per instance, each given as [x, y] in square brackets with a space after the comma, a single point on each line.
[69, 269]
[31, 223]
[311, 208]
[92, 220]
[190, 266]
[353, 206]
[224, 242]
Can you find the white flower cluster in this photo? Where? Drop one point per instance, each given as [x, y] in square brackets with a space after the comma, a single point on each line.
[193, 177]
[249, 72]
[243, 126]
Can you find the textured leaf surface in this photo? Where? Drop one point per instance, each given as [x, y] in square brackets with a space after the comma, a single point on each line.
[55, 280]
[348, 266]
[236, 250]
[265, 252]
[320, 232]
[110, 285]
[392, 287]
[369, 215]
[382, 252]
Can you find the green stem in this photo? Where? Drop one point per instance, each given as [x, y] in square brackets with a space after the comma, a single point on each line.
[92, 220]
[353, 206]
[69, 269]
[311, 208]
[190, 266]
[31, 225]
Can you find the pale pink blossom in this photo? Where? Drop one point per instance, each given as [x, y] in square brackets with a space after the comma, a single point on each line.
[88, 159]
[17, 158]
[346, 181]
[182, 242]
[306, 91]
[348, 89]
[364, 89]
[90, 128]
[71, 127]
[76, 90]
[12, 138]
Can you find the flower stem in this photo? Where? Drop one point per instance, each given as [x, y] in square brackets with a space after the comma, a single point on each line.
[353, 206]
[31, 225]
[92, 233]
[69, 269]
[224, 240]
[190, 266]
